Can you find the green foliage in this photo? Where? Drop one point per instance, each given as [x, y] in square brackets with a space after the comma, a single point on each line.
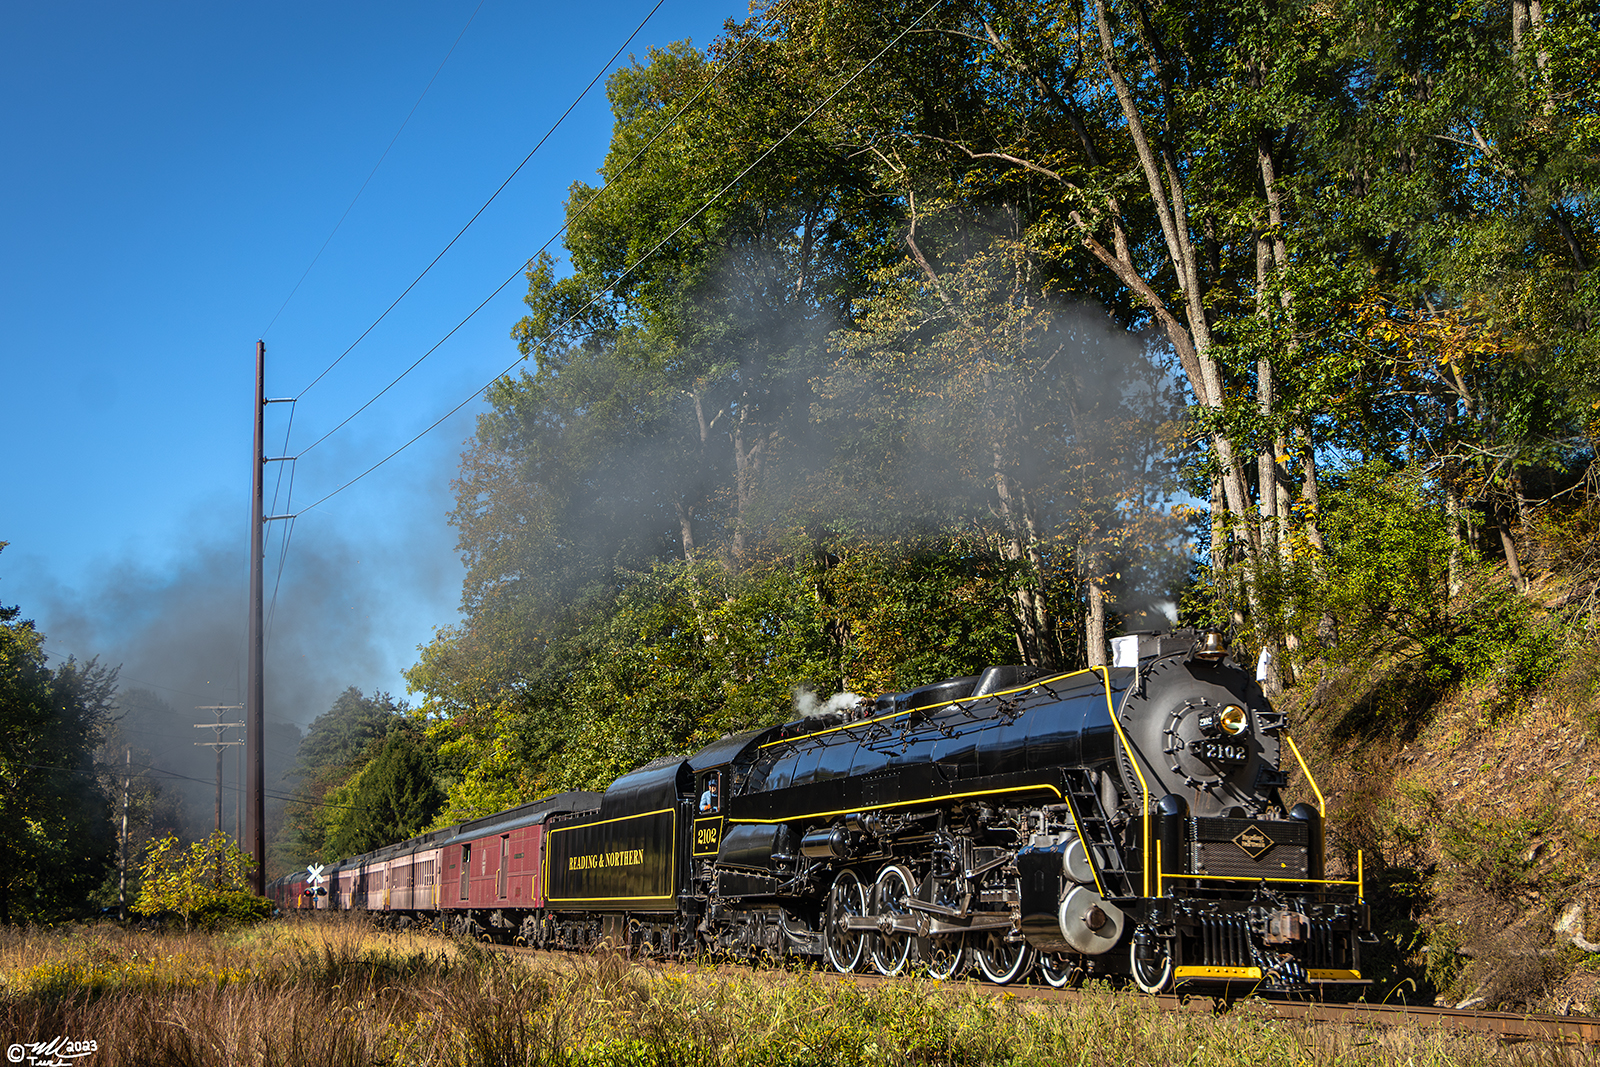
[1443, 962]
[1387, 576]
[394, 796]
[915, 611]
[204, 882]
[56, 837]
[1492, 852]
[1382, 600]
[339, 745]
[340, 736]
[848, 426]
[237, 907]
[690, 651]
[1504, 639]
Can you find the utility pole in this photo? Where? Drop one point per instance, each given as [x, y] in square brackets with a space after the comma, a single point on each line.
[122, 875]
[255, 681]
[219, 744]
[255, 692]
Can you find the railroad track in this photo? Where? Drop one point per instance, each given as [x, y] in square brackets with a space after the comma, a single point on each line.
[1506, 1026]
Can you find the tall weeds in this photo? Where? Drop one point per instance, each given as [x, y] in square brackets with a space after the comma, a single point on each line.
[339, 994]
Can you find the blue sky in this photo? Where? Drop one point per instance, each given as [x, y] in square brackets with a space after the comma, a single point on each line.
[171, 170]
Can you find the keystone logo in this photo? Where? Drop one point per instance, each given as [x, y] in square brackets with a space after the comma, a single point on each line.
[1253, 843]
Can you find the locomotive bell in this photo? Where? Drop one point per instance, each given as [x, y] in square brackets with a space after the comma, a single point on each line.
[1211, 648]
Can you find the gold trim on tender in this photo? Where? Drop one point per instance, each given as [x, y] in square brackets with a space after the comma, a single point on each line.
[672, 857]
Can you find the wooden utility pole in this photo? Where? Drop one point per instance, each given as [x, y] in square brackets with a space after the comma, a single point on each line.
[122, 875]
[219, 744]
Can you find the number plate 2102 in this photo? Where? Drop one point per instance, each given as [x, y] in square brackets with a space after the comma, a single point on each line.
[1222, 751]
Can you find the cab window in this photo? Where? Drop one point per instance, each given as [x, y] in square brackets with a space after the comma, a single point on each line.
[711, 794]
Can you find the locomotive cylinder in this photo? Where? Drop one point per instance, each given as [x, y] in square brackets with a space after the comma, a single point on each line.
[830, 844]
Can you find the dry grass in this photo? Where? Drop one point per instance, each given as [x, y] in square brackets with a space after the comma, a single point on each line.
[339, 993]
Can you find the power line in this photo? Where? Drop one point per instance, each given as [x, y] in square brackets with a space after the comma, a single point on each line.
[161, 772]
[474, 218]
[582, 210]
[375, 167]
[181, 692]
[635, 266]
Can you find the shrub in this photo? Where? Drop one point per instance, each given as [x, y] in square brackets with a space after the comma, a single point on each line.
[1386, 585]
[208, 881]
[232, 908]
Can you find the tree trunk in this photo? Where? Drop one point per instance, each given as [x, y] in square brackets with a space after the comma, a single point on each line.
[1267, 469]
[686, 503]
[1221, 557]
[1452, 516]
[685, 529]
[1191, 337]
[1507, 542]
[1308, 492]
[1094, 637]
[1020, 543]
[749, 446]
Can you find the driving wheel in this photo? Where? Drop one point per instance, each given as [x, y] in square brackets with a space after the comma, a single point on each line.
[846, 900]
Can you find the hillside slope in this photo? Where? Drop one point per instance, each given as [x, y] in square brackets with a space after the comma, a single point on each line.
[1474, 814]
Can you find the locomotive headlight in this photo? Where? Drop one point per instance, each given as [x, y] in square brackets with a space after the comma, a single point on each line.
[1230, 721]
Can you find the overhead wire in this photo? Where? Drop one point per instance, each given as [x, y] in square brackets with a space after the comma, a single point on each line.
[582, 210]
[289, 530]
[375, 167]
[570, 108]
[630, 270]
[152, 769]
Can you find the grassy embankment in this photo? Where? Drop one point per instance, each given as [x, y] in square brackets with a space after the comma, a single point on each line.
[1474, 807]
[340, 993]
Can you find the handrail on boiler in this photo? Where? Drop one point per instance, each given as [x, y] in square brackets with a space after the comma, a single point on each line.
[1322, 805]
[1127, 746]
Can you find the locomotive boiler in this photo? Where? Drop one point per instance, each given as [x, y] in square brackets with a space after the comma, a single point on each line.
[1120, 821]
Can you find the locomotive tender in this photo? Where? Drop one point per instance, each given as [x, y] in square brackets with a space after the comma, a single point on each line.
[1111, 821]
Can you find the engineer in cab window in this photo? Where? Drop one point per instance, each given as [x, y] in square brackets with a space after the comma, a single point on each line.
[708, 799]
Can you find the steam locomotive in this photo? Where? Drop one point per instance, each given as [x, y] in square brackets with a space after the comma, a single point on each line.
[1122, 821]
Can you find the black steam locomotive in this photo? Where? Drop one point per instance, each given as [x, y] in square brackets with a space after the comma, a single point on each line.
[1114, 821]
